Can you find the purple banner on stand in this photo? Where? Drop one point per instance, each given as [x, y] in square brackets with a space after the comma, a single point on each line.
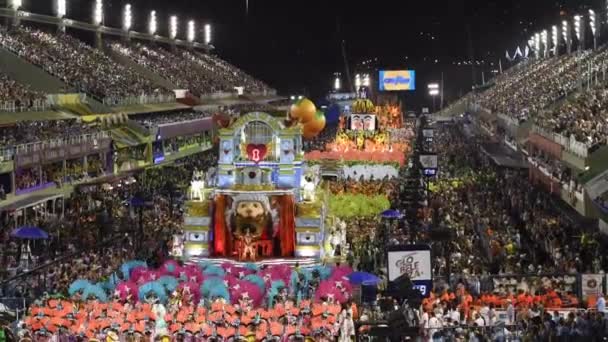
[34, 189]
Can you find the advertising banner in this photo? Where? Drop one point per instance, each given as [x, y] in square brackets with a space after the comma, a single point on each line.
[413, 261]
[591, 284]
[397, 80]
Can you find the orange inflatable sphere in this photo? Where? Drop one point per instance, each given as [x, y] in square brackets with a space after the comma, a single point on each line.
[294, 112]
[318, 123]
[309, 131]
[305, 110]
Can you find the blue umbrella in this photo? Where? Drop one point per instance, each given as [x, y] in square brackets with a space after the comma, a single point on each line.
[363, 278]
[391, 213]
[30, 233]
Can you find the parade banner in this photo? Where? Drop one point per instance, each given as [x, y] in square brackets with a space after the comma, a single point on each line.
[591, 285]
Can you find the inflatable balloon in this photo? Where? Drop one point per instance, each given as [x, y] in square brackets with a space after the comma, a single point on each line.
[318, 123]
[303, 110]
[309, 131]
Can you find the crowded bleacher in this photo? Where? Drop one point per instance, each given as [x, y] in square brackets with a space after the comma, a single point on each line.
[155, 119]
[78, 65]
[18, 95]
[510, 260]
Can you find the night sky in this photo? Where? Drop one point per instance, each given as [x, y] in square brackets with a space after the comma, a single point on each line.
[295, 46]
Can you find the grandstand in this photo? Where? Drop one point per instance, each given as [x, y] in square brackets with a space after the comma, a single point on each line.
[553, 111]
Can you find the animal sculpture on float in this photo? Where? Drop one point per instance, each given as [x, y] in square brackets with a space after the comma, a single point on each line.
[197, 186]
[253, 212]
[309, 183]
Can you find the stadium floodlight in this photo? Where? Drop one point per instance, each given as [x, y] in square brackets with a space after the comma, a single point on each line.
[577, 27]
[433, 86]
[544, 40]
[434, 92]
[366, 80]
[554, 38]
[16, 4]
[592, 22]
[207, 34]
[537, 44]
[337, 83]
[191, 31]
[127, 18]
[98, 12]
[358, 81]
[152, 23]
[173, 26]
[61, 8]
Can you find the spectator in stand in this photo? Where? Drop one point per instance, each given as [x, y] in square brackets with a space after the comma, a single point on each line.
[155, 119]
[21, 95]
[25, 132]
[196, 72]
[83, 67]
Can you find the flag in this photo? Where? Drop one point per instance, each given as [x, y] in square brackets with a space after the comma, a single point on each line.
[507, 55]
[500, 65]
[526, 52]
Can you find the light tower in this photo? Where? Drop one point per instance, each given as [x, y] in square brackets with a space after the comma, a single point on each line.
[127, 20]
[555, 39]
[593, 25]
[207, 34]
[61, 11]
[98, 21]
[566, 35]
[191, 31]
[152, 23]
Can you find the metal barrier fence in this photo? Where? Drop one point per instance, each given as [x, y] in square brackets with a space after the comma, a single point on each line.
[52, 143]
[139, 100]
[34, 106]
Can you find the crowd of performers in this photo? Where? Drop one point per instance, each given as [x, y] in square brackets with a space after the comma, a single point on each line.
[200, 302]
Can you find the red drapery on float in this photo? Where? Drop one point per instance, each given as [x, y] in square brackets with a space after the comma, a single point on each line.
[287, 225]
[220, 239]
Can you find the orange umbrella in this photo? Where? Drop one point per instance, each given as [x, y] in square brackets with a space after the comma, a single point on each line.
[317, 310]
[260, 334]
[182, 317]
[243, 331]
[125, 327]
[140, 327]
[217, 306]
[245, 320]
[192, 327]
[201, 319]
[291, 330]
[276, 329]
[175, 327]
[206, 329]
[334, 309]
